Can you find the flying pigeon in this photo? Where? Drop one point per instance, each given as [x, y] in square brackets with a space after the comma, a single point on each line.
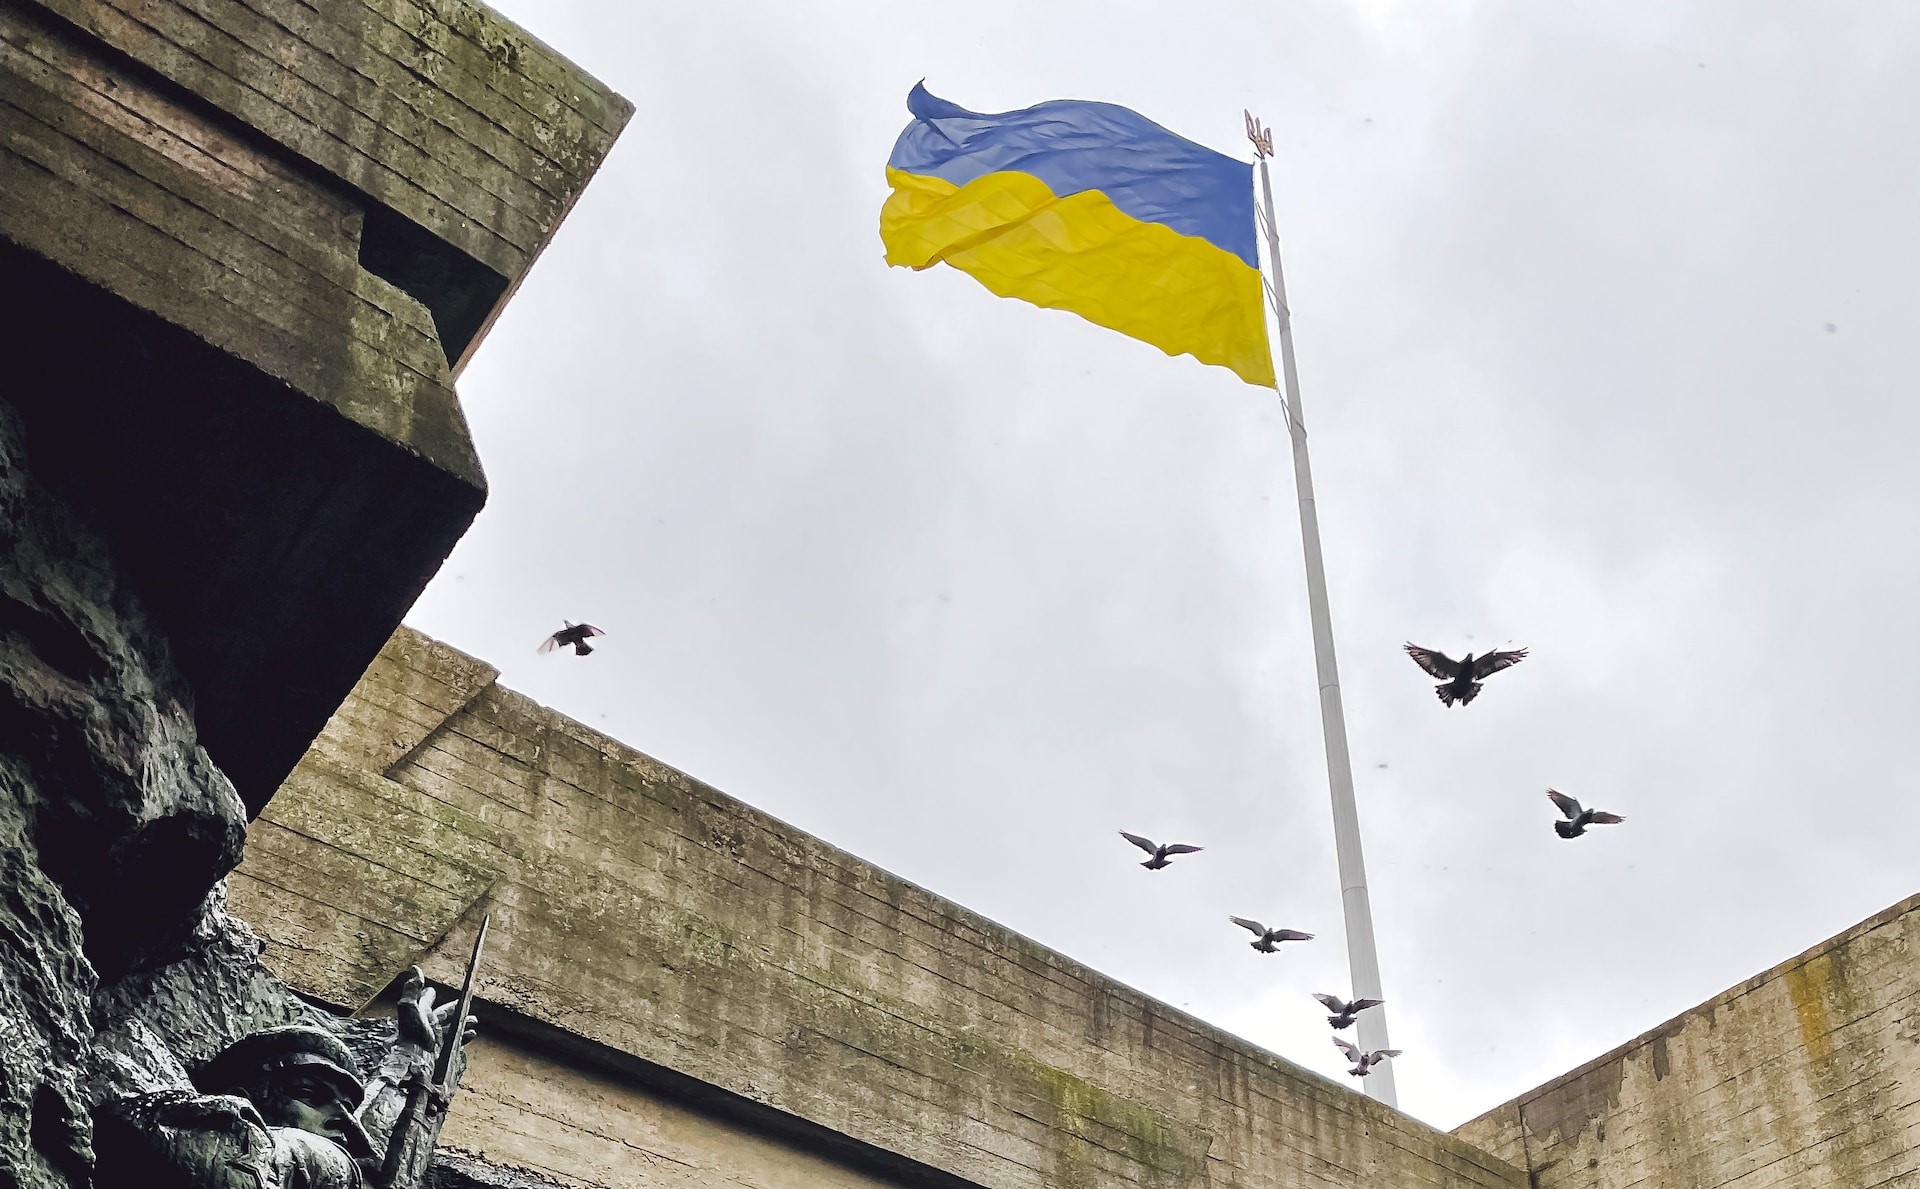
[1461, 679]
[1344, 1012]
[1161, 854]
[572, 633]
[1579, 819]
[1363, 1063]
[1268, 937]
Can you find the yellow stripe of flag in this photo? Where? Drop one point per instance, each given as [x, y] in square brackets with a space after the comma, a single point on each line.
[1084, 255]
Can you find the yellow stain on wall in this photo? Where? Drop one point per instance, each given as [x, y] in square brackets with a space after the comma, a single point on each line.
[1807, 985]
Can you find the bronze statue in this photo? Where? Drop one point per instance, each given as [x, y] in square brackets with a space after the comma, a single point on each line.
[179, 1139]
[285, 1109]
[300, 1078]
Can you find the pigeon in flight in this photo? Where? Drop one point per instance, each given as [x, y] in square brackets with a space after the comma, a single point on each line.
[1460, 680]
[1344, 1012]
[1268, 938]
[572, 633]
[1363, 1063]
[1162, 855]
[1579, 819]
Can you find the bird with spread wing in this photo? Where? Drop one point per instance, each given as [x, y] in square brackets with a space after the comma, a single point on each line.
[1344, 1012]
[1363, 1063]
[1267, 940]
[1460, 680]
[1579, 818]
[574, 634]
[1161, 855]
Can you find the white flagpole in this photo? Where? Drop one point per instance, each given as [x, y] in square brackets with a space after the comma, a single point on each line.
[1363, 961]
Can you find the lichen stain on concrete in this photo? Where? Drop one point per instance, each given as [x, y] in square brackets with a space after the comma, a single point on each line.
[1808, 985]
[1662, 1065]
[1561, 1117]
[1167, 1152]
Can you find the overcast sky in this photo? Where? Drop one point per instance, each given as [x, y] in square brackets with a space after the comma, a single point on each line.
[1605, 315]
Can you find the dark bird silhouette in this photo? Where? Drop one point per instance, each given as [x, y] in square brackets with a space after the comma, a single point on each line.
[1363, 1063]
[1579, 819]
[1268, 938]
[1344, 1012]
[1460, 680]
[576, 634]
[1162, 855]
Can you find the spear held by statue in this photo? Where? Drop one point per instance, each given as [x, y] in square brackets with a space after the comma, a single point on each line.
[410, 1146]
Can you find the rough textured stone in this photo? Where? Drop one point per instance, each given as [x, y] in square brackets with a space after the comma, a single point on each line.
[681, 990]
[213, 994]
[114, 824]
[1805, 1077]
[120, 969]
[44, 1025]
[124, 810]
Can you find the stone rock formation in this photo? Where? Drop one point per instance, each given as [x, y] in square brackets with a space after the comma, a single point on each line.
[120, 970]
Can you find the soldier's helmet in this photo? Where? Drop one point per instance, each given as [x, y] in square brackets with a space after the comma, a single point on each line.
[313, 1051]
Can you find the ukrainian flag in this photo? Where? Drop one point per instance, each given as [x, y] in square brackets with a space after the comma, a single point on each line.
[1090, 208]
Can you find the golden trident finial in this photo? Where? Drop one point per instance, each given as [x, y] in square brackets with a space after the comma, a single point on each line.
[1262, 137]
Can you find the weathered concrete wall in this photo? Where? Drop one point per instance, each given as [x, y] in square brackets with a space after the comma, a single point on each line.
[139, 189]
[250, 241]
[574, 1123]
[681, 981]
[438, 109]
[1806, 1077]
